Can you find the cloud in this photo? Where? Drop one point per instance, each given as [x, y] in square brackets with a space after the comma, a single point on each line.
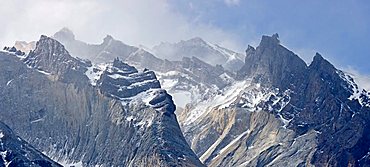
[232, 2]
[362, 80]
[27, 20]
[135, 22]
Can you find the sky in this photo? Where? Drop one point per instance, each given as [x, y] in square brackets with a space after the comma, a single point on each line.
[338, 30]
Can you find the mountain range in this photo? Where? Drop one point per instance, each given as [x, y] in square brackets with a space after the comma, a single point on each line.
[50, 101]
[190, 103]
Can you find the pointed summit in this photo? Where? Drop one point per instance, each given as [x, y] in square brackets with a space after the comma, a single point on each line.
[270, 41]
[107, 39]
[318, 57]
[271, 63]
[50, 45]
[319, 63]
[50, 56]
[197, 40]
[64, 34]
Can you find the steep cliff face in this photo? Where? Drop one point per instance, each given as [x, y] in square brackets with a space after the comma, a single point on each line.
[76, 121]
[282, 113]
[271, 63]
[14, 151]
[52, 58]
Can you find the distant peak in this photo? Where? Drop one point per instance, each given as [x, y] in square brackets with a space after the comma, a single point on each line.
[47, 43]
[64, 34]
[108, 38]
[270, 40]
[66, 30]
[196, 40]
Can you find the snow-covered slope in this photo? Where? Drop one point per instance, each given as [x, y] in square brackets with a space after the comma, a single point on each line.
[359, 93]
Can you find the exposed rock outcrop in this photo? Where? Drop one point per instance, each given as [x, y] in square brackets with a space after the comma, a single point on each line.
[14, 151]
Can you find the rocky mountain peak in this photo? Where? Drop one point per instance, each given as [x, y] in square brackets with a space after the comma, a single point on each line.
[47, 52]
[97, 53]
[250, 51]
[196, 41]
[108, 39]
[196, 47]
[320, 63]
[64, 34]
[270, 41]
[51, 57]
[271, 63]
[122, 81]
[120, 65]
[46, 42]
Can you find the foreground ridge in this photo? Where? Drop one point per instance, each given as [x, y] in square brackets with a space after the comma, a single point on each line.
[59, 111]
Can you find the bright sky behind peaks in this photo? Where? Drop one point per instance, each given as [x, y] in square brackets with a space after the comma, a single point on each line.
[339, 30]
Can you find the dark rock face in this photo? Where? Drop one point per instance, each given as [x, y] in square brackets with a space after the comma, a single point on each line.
[164, 102]
[123, 81]
[273, 64]
[14, 151]
[76, 122]
[50, 56]
[342, 122]
[281, 112]
[320, 101]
